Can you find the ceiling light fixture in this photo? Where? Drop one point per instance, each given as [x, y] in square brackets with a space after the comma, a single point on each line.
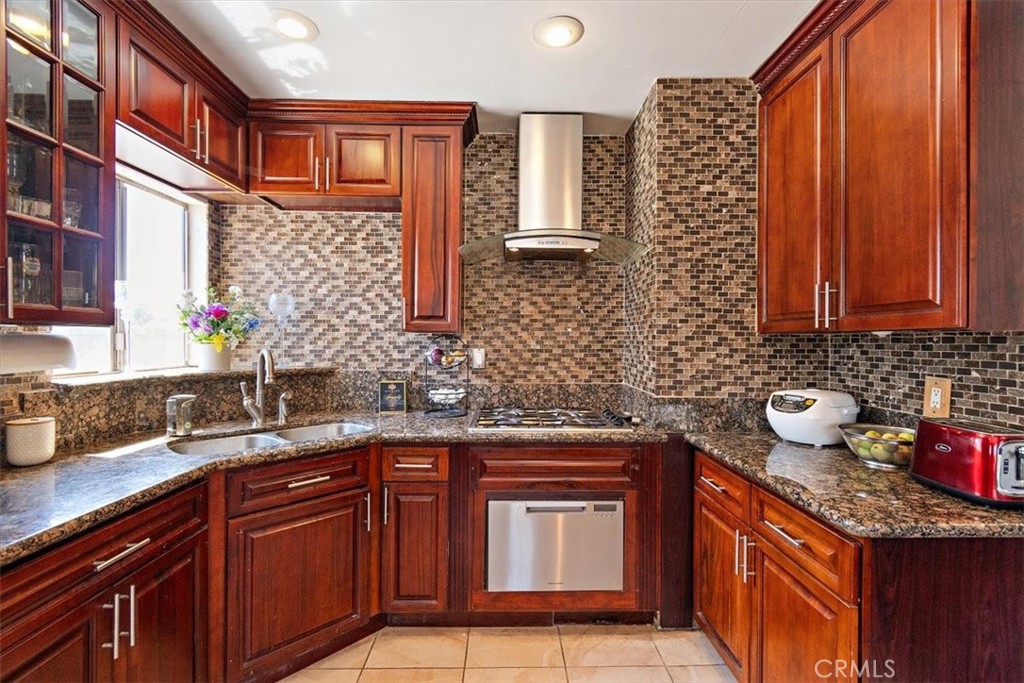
[294, 25]
[558, 31]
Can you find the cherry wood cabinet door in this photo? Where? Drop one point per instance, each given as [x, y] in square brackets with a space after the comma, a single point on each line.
[73, 645]
[364, 160]
[803, 631]
[168, 624]
[431, 228]
[900, 199]
[722, 601]
[415, 548]
[223, 137]
[795, 211]
[155, 94]
[286, 157]
[298, 575]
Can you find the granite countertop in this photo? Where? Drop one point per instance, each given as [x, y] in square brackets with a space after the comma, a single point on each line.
[834, 486]
[83, 487]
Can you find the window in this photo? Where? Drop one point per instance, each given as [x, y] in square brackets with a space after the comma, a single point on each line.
[161, 251]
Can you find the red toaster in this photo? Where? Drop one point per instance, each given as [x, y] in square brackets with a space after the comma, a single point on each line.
[982, 463]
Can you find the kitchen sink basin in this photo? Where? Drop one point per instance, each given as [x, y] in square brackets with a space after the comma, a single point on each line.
[326, 431]
[226, 445]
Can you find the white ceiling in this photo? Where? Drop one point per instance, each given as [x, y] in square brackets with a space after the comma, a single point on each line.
[483, 51]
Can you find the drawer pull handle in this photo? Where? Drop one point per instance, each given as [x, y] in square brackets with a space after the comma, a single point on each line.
[309, 482]
[100, 565]
[781, 532]
[413, 466]
[712, 484]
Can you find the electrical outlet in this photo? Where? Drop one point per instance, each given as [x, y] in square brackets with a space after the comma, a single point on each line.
[478, 358]
[936, 396]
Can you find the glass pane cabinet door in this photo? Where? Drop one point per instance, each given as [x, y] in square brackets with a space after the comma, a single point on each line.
[81, 272]
[28, 89]
[29, 177]
[32, 253]
[81, 116]
[80, 39]
[31, 18]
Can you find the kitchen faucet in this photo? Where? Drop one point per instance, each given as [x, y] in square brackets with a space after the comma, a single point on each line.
[264, 376]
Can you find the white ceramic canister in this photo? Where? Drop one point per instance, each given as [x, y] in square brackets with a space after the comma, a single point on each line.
[31, 440]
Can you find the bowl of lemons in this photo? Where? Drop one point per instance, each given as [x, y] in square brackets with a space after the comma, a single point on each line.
[879, 446]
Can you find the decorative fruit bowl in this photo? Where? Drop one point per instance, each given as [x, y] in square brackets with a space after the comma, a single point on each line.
[880, 446]
[446, 397]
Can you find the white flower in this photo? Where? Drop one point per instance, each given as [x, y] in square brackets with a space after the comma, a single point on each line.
[235, 291]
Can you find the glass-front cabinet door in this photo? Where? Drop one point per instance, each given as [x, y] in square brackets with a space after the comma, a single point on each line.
[58, 237]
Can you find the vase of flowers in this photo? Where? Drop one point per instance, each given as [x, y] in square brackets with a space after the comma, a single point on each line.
[217, 327]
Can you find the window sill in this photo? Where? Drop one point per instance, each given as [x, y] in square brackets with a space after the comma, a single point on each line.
[171, 373]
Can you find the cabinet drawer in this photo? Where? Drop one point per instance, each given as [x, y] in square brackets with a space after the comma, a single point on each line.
[826, 555]
[104, 554]
[268, 486]
[415, 463]
[552, 468]
[725, 487]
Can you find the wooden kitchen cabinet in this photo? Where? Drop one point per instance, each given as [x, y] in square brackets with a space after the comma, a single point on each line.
[775, 590]
[431, 228]
[722, 597]
[159, 97]
[144, 575]
[340, 160]
[883, 203]
[59, 103]
[298, 572]
[414, 562]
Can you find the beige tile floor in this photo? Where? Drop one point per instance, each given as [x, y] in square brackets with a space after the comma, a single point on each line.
[555, 654]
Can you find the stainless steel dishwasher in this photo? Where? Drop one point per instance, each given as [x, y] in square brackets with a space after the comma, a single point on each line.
[554, 545]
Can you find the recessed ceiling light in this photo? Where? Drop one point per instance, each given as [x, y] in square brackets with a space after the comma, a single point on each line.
[294, 25]
[558, 31]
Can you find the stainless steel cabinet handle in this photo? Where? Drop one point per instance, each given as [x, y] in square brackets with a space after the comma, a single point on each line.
[736, 555]
[828, 304]
[308, 482]
[712, 484]
[552, 508]
[385, 506]
[781, 532]
[316, 174]
[10, 286]
[133, 617]
[199, 134]
[100, 565]
[413, 466]
[817, 307]
[206, 144]
[115, 644]
[747, 543]
[327, 174]
[368, 509]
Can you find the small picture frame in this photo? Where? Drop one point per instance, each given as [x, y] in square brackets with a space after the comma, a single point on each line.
[391, 397]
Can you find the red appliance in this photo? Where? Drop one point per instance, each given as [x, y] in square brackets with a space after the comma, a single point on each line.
[982, 463]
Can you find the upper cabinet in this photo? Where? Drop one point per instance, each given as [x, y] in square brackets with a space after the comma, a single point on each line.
[160, 98]
[57, 242]
[871, 169]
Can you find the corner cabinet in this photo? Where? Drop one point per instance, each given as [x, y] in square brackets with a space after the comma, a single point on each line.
[59, 105]
[868, 153]
[431, 228]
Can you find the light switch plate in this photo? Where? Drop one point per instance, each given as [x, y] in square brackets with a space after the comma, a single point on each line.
[936, 396]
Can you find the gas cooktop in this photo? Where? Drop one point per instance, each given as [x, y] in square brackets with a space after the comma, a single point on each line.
[549, 420]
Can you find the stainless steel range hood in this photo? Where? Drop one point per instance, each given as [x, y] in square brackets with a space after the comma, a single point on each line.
[551, 201]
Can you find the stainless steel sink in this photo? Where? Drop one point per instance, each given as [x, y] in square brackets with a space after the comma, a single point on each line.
[327, 431]
[226, 445]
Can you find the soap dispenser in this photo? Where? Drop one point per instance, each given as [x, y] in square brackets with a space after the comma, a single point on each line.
[179, 414]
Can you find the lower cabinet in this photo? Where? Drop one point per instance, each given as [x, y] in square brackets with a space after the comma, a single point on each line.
[775, 590]
[297, 572]
[414, 552]
[101, 608]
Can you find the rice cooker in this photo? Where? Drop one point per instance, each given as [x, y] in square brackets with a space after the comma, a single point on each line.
[811, 416]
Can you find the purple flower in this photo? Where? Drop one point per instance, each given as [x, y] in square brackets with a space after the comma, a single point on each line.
[193, 321]
[217, 311]
[206, 327]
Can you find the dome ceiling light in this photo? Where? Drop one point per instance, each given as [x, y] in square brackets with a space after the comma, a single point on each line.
[559, 31]
[293, 25]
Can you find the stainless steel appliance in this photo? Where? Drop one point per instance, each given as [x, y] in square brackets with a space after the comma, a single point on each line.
[549, 420]
[976, 461]
[554, 545]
